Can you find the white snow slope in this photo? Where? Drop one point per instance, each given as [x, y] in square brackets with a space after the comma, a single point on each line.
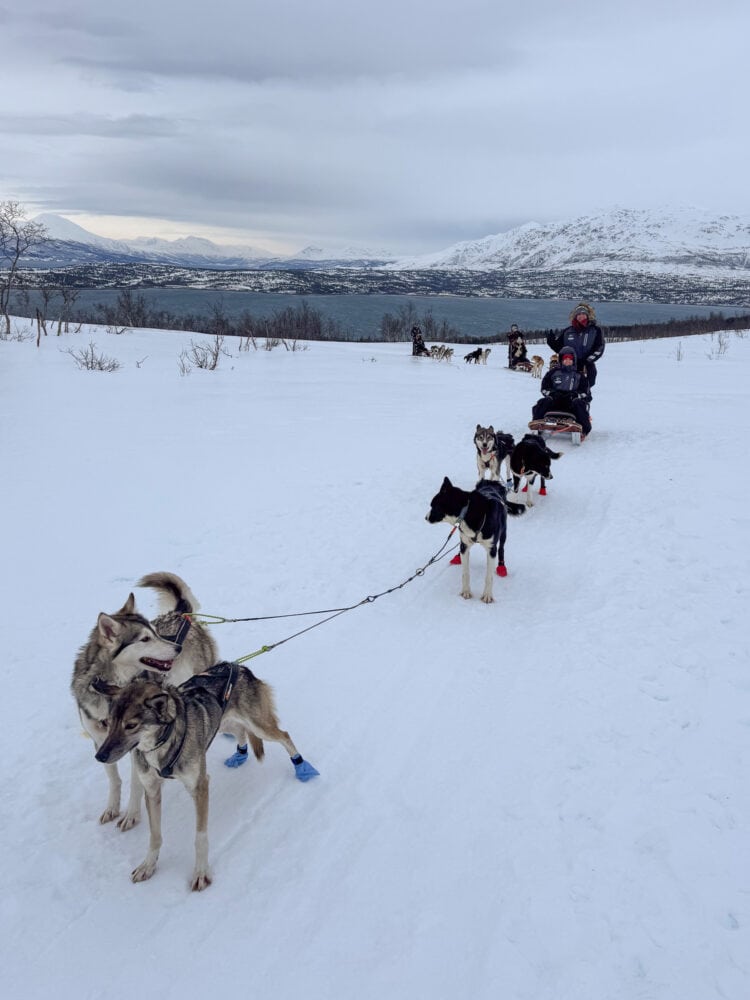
[545, 798]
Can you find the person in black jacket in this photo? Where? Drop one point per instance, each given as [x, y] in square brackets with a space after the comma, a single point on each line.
[566, 389]
[584, 336]
[516, 347]
[418, 345]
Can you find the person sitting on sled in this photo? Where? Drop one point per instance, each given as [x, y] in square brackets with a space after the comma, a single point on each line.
[585, 337]
[418, 345]
[565, 389]
[516, 347]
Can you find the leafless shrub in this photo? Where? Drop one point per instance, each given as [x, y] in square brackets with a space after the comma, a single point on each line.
[295, 345]
[679, 353]
[139, 363]
[271, 342]
[205, 355]
[719, 345]
[183, 363]
[247, 342]
[17, 333]
[88, 359]
[118, 330]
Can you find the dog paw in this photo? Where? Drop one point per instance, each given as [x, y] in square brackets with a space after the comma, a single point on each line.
[488, 599]
[466, 594]
[143, 872]
[110, 813]
[128, 821]
[200, 881]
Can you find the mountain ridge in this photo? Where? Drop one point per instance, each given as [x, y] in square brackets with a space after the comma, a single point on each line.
[622, 241]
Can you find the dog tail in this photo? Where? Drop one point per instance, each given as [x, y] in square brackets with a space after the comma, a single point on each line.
[515, 509]
[257, 744]
[173, 592]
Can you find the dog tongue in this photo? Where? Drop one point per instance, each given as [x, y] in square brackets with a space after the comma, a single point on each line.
[157, 664]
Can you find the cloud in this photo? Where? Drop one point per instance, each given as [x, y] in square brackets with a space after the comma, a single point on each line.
[410, 124]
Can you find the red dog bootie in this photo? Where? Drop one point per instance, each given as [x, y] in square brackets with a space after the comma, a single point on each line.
[456, 560]
[501, 571]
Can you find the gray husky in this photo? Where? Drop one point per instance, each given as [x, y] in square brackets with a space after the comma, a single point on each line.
[171, 729]
[123, 645]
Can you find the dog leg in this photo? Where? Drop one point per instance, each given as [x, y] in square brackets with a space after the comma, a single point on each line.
[270, 730]
[465, 581]
[201, 878]
[146, 869]
[489, 576]
[112, 810]
[133, 813]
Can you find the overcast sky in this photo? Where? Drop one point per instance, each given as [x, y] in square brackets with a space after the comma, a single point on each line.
[402, 124]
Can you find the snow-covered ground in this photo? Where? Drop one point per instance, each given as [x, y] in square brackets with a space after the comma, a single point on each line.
[545, 798]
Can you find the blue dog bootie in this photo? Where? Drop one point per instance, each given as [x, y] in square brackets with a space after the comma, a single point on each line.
[238, 758]
[303, 769]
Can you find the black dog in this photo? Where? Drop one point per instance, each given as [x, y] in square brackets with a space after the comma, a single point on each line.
[504, 444]
[473, 356]
[531, 458]
[481, 517]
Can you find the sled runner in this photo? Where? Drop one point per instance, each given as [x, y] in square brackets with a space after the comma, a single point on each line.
[556, 422]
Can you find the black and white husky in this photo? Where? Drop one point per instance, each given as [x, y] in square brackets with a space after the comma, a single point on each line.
[493, 452]
[481, 516]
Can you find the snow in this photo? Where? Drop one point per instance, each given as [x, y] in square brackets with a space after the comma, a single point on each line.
[684, 241]
[540, 799]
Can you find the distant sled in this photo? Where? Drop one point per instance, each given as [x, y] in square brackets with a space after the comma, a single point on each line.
[556, 422]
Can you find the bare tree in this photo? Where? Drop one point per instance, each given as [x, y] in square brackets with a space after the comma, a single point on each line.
[17, 235]
[69, 296]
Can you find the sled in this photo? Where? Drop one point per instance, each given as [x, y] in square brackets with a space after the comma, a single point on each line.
[521, 366]
[556, 422]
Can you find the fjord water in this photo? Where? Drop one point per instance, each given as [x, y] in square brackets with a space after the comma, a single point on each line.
[360, 315]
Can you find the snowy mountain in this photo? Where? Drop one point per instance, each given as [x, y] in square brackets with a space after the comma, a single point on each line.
[621, 241]
[70, 244]
[688, 243]
[352, 256]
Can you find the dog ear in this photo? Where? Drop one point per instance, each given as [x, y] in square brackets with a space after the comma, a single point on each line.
[109, 629]
[447, 484]
[160, 706]
[479, 427]
[128, 607]
[104, 687]
[491, 429]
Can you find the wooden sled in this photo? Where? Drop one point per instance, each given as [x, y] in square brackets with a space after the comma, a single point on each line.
[556, 422]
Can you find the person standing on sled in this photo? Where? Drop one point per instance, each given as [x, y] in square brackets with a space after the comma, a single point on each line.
[516, 346]
[565, 389]
[585, 337]
[418, 345]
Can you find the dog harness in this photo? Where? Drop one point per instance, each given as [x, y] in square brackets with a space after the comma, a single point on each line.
[210, 691]
[183, 608]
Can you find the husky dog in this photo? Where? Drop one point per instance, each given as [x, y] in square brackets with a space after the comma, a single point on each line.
[124, 644]
[473, 356]
[493, 452]
[530, 458]
[554, 361]
[484, 354]
[448, 354]
[436, 352]
[537, 365]
[481, 517]
[486, 445]
[171, 728]
[504, 444]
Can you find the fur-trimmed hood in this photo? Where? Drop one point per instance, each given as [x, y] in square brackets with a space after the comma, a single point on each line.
[583, 307]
